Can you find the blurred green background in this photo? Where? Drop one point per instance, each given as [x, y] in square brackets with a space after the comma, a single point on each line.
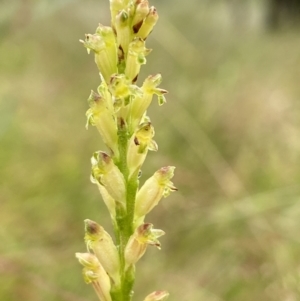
[231, 126]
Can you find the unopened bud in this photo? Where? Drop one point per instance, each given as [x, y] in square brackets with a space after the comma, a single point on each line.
[139, 145]
[94, 273]
[115, 7]
[137, 244]
[101, 243]
[157, 296]
[141, 12]
[124, 35]
[153, 190]
[148, 24]
[105, 172]
[102, 118]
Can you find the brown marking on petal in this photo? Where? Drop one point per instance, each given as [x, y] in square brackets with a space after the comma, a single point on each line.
[92, 227]
[163, 91]
[121, 123]
[144, 227]
[104, 156]
[137, 26]
[147, 127]
[96, 97]
[135, 79]
[121, 53]
[114, 30]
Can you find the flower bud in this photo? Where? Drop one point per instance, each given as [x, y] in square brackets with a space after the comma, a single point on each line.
[139, 145]
[153, 190]
[106, 173]
[137, 244]
[99, 115]
[94, 273]
[135, 58]
[101, 243]
[124, 35]
[105, 51]
[141, 12]
[148, 24]
[115, 7]
[157, 296]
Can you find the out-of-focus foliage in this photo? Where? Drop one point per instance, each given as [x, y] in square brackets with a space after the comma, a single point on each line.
[231, 126]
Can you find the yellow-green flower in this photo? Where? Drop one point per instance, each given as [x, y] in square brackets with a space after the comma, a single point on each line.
[139, 145]
[156, 187]
[143, 236]
[102, 245]
[100, 116]
[94, 273]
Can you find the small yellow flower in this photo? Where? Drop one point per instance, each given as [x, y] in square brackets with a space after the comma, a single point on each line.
[143, 236]
[94, 273]
[141, 103]
[102, 245]
[136, 57]
[106, 173]
[156, 187]
[139, 145]
[103, 119]
[104, 45]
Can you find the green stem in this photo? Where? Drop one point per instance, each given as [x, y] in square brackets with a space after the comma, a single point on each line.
[123, 142]
[132, 186]
[124, 218]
